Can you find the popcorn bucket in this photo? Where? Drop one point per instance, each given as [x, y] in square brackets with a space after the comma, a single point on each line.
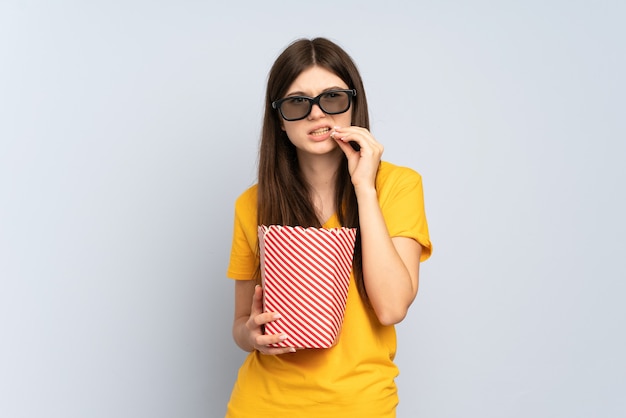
[305, 274]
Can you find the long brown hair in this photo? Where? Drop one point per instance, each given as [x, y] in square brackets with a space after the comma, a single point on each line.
[283, 195]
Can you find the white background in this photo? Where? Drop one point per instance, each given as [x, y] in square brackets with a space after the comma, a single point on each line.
[128, 128]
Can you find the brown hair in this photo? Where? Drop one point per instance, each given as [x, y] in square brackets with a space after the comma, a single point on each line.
[283, 194]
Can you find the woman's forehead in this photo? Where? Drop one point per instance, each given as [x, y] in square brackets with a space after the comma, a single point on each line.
[315, 80]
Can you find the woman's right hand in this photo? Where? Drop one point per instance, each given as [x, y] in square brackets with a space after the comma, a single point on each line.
[254, 327]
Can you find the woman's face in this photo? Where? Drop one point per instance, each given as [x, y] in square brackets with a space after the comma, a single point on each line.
[311, 135]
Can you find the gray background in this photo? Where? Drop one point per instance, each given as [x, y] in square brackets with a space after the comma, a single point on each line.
[128, 128]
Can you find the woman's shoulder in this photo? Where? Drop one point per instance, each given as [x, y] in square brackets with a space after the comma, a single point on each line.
[248, 198]
[388, 172]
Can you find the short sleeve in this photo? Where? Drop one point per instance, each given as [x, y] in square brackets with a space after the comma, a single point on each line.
[243, 263]
[401, 199]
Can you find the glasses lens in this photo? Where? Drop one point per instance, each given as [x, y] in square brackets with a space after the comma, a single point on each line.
[295, 108]
[335, 102]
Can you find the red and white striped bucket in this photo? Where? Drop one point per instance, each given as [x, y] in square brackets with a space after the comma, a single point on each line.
[306, 274]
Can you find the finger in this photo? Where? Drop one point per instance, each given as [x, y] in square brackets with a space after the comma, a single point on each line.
[257, 301]
[349, 147]
[346, 147]
[356, 134]
[274, 351]
[354, 131]
[268, 339]
[264, 344]
[367, 148]
[266, 317]
[354, 142]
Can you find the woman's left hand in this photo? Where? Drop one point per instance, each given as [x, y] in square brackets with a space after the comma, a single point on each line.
[362, 164]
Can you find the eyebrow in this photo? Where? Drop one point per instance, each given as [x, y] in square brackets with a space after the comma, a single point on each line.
[300, 93]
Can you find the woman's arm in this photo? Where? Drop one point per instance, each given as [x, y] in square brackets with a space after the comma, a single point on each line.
[390, 265]
[250, 318]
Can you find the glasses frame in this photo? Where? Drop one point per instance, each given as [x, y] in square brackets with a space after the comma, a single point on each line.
[314, 101]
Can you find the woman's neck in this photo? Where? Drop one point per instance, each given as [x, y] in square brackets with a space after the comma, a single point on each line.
[320, 173]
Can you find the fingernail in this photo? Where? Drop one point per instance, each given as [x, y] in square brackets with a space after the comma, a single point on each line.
[277, 316]
[283, 337]
[292, 350]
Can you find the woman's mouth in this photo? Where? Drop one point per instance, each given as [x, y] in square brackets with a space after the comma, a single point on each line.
[320, 131]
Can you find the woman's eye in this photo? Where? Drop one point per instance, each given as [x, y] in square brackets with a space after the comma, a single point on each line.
[297, 100]
[334, 96]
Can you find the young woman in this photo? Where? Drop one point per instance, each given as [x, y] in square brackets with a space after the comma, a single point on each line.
[320, 166]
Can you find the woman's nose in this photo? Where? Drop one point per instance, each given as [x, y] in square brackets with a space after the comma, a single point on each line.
[316, 112]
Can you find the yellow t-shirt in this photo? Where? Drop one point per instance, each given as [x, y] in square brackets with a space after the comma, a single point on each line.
[355, 377]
